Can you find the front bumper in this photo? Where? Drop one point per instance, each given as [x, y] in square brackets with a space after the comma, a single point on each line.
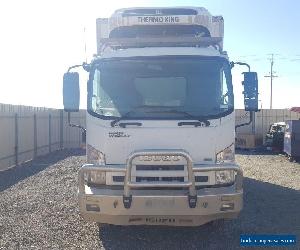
[161, 209]
[137, 205]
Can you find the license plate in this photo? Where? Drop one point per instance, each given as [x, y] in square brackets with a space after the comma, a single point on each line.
[160, 220]
[159, 203]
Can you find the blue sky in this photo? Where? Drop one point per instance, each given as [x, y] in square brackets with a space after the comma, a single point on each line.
[41, 39]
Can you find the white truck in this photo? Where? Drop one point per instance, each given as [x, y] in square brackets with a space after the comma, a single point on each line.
[160, 122]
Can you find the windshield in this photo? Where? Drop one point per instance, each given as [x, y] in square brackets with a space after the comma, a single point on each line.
[161, 88]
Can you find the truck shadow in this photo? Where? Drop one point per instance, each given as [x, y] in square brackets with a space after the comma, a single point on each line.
[18, 173]
[258, 151]
[268, 209]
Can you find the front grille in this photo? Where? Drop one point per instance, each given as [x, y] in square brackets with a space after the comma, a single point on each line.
[162, 179]
[159, 167]
[143, 172]
[159, 173]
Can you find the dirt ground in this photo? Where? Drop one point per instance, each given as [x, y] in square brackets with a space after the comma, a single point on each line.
[39, 210]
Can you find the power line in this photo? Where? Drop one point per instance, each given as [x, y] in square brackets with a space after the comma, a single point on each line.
[281, 57]
[271, 75]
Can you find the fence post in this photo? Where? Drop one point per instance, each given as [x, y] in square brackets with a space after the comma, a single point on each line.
[49, 133]
[253, 122]
[61, 129]
[80, 132]
[34, 136]
[262, 125]
[16, 139]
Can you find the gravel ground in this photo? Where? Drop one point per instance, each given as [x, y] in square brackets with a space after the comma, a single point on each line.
[38, 209]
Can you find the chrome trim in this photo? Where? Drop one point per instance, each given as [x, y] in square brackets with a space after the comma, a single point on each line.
[191, 178]
[191, 183]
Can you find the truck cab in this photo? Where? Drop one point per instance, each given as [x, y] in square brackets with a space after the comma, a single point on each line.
[160, 121]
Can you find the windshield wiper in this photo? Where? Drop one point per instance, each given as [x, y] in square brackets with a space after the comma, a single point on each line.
[198, 123]
[205, 118]
[200, 120]
[127, 115]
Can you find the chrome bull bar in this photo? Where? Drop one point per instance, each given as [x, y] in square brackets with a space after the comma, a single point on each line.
[128, 184]
[192, 197]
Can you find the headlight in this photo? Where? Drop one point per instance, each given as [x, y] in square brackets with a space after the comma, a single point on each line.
[95, 177]
[94, 156]
[224, 176]
[226, 155]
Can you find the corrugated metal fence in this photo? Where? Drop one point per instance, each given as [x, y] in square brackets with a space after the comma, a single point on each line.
[28, 132]
[263, 120]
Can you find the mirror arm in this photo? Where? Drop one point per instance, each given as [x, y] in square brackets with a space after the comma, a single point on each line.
[75, 125]
[240, 63]
[246, 123]
[74, 66]
[85, 66]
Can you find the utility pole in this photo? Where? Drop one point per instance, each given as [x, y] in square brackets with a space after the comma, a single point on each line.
[271, 77]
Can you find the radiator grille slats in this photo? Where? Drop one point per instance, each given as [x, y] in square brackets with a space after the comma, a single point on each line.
[151, 173]
[159, 173]
[159, 167]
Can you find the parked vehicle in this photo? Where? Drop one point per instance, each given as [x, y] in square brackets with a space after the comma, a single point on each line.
[275, 137]
[160, 120]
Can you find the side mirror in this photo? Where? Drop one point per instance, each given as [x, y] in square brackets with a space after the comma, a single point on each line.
[250, 91]
[71, 92]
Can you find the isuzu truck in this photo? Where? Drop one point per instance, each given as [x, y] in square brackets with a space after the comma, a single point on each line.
[160, 122]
